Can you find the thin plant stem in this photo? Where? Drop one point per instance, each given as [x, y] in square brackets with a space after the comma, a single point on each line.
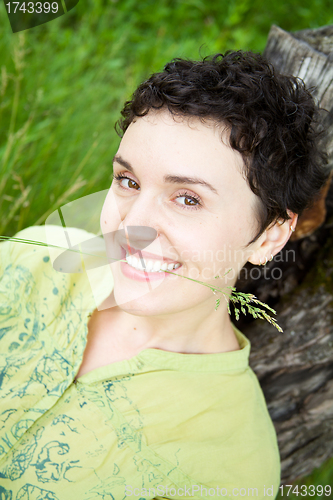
[244, 299]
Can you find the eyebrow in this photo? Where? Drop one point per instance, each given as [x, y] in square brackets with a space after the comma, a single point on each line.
[172, 179]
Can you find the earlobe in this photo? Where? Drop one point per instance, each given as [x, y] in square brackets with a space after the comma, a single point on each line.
[266, 260]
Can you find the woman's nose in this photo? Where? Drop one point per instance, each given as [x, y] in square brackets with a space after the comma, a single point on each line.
[140, 220]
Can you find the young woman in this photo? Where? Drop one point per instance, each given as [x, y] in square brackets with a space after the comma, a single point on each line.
[154, 397]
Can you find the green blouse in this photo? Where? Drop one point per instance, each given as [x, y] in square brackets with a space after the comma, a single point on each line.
[159, 425]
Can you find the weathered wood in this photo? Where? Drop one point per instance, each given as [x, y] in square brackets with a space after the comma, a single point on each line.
[295, 368]
[320, 39]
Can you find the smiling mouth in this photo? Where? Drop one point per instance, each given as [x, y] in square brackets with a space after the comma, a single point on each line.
[150, 265]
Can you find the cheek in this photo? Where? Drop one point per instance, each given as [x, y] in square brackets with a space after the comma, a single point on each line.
[239, 227]
[110, 218]
[198, 248]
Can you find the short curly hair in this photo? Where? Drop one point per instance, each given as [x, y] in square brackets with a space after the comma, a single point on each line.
[272, 118]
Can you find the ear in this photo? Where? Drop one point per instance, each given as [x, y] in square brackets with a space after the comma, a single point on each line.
[273, 240]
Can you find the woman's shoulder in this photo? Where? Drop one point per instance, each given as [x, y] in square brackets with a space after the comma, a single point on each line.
[13, 250]
[33, 241]
[238, 447]
[221, 433]
[27, 271]
[33, 290]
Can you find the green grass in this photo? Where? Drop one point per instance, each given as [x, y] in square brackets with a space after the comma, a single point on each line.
[64, 83]
[73, 74]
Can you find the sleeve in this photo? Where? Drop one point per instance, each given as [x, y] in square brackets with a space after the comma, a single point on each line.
[12, 252]
[46, 237]
[33, 283]
[39, 306]
[27, 276]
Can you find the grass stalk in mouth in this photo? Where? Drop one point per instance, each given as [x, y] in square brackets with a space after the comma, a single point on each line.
[242, 302]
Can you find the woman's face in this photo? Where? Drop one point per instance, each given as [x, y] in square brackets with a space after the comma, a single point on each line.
[204, 226]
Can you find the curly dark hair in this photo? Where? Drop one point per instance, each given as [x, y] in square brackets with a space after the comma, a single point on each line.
[272, 119]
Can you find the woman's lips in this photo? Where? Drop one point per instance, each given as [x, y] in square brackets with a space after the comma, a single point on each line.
[135, 274]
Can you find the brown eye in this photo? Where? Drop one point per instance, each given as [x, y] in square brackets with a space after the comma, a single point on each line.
[120, 177]
[191, 200]
[131, 183]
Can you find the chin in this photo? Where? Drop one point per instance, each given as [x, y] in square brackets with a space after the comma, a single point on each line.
[132, 291]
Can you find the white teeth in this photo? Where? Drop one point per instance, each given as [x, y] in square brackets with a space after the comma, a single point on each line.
[151, 266]
[136, 262]
[156, 266]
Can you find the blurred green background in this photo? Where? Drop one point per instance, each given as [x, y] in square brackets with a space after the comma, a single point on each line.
[64, 83]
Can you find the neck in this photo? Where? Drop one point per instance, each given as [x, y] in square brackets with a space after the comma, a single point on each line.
[184, 331]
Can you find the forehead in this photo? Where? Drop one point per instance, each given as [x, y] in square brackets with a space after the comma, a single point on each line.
[182, 142]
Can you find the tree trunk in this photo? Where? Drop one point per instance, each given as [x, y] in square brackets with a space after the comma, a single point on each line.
[295, 368]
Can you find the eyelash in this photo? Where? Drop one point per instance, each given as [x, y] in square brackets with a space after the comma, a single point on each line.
[118, 178]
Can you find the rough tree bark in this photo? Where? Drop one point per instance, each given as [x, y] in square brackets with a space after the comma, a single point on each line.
[295, 368]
